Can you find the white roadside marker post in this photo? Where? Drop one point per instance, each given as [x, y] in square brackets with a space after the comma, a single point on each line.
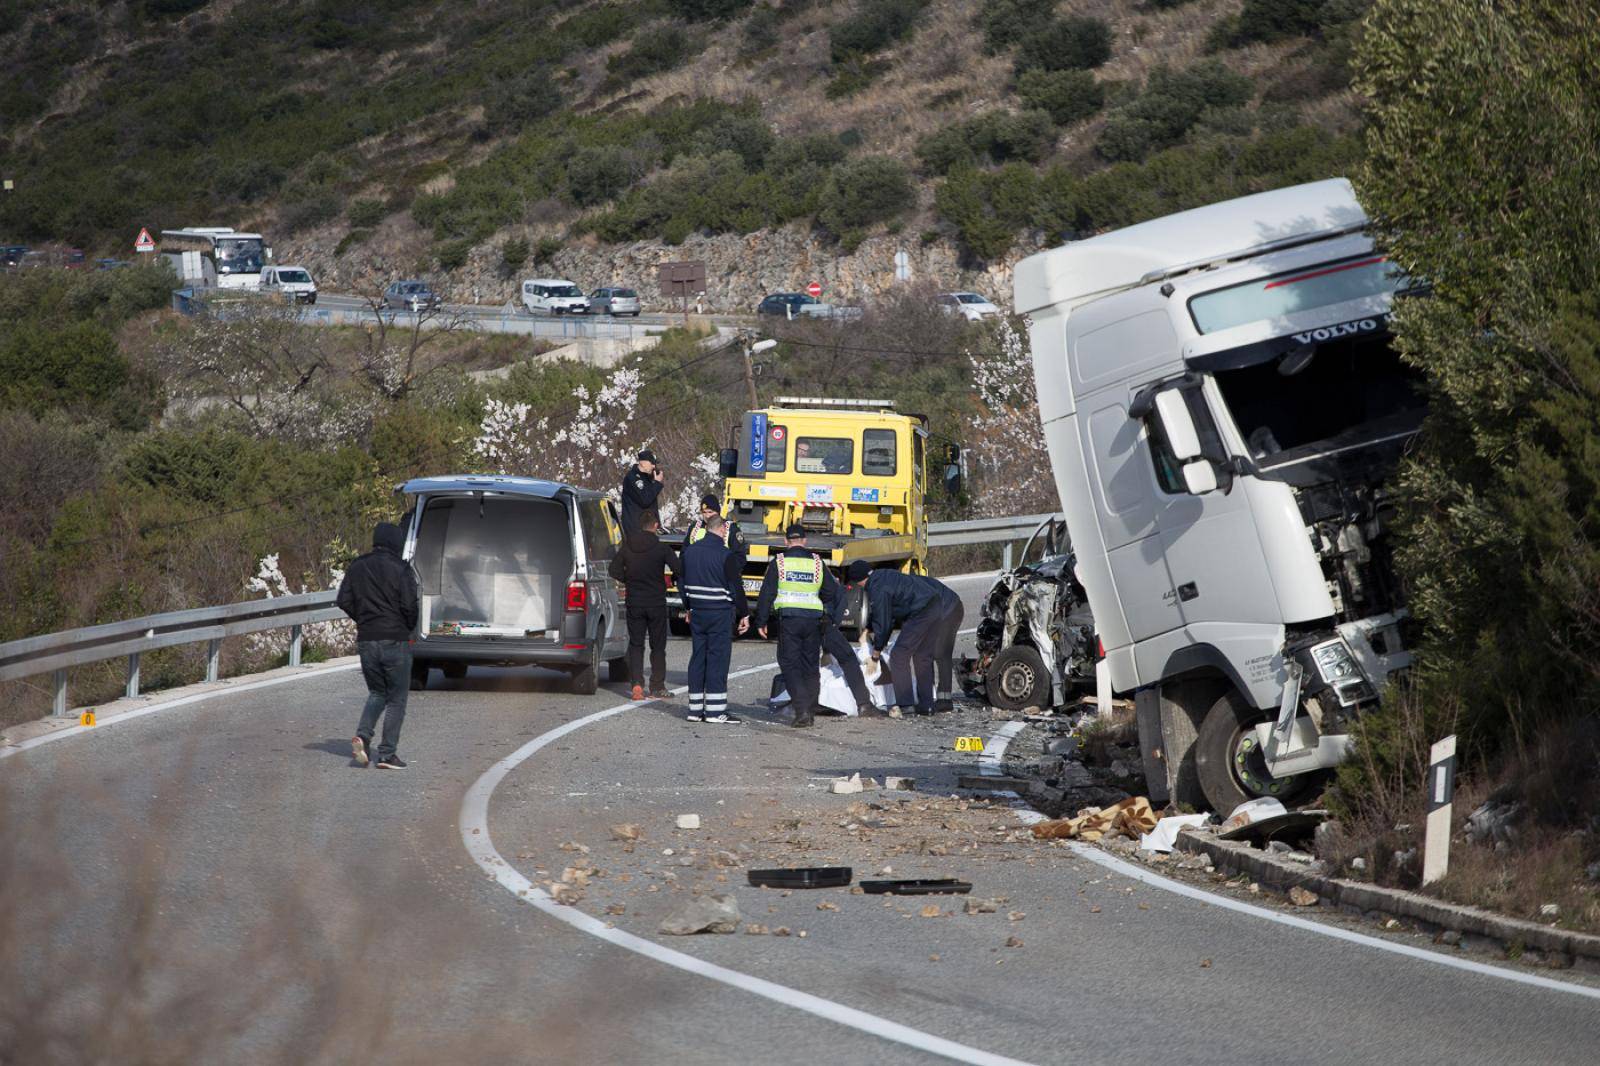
[1441, 793]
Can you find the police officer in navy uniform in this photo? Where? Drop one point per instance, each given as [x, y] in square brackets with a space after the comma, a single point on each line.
[712, 592]
[640, 487]
[798, 587]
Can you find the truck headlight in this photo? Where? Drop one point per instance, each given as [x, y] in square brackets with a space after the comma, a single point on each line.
[1338, 667]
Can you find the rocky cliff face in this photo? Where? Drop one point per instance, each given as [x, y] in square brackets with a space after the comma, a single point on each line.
[740, 270]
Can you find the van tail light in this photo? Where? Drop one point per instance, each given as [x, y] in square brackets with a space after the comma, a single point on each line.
[578, 596]
[1099, 648]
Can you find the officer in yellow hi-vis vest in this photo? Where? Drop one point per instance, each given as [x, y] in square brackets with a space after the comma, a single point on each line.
[711, 507]
[801, 590]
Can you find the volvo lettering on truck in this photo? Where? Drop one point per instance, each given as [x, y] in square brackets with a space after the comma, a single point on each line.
[1225, 412]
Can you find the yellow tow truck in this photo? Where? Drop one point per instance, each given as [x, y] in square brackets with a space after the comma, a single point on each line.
[852, 472]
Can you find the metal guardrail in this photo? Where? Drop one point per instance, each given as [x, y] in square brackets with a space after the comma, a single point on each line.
[77, 647]
[57, 652]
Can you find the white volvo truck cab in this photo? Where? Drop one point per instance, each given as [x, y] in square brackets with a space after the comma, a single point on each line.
[1224, 414]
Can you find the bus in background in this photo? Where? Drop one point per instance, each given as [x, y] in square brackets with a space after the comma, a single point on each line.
[216, 255]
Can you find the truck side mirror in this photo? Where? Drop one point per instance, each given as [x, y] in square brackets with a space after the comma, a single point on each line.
[727, 462]
[952, 479]
[1177, 424]
[1199, 477]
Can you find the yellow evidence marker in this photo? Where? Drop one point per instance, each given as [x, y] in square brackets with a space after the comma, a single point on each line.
[86, 718]
[969, 743]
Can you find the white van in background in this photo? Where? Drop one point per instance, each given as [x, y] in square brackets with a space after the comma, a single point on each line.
[553, 296]
[293, 283]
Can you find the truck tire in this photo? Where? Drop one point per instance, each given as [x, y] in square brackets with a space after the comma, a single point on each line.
[1229, 762]
[586, 679]
[1182, 707]
[454, 671]
[1018, 678]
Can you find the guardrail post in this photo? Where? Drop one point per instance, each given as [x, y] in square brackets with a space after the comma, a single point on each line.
[1005, 557]
[213, 659]
[133, 675]
[296, 640]
[58, 706]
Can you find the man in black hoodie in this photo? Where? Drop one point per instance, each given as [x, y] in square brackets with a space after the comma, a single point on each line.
[640, 487]
[379, 592]
[642, 567]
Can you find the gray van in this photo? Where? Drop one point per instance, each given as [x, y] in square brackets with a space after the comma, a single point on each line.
[513, 572]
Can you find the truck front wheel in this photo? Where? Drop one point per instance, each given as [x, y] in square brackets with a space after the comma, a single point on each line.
[1229, 761]
[1018, 678]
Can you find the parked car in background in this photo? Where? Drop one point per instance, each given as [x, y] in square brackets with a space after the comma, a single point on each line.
[800, 305]
[292, 283]
[413, 296]
[553, 296]
[615, 302]
[111, 264]
[74, 259]
[972, 306]
[11, 255]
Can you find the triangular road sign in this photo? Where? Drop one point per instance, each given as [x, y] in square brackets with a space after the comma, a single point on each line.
[144, 243]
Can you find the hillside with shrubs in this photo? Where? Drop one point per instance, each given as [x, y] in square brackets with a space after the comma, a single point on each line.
[433, 135]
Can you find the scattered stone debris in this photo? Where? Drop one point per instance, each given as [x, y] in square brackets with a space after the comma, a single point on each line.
[900, 784]
[827, 905]
[932, 910]
[1013, 941]
[981, 906]
[846, 786]
[702, 914]
[627, 832]
[573, 845]
[616, 908]
[688, 821]
[1550, 910]
[1302, 897]
[1015, 916]
[565, 894]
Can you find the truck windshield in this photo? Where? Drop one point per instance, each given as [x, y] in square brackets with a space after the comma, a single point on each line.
[298, 277]
[239, 256]
[1285, 294]
[824, 455]
[565, 290]
[1353, 392]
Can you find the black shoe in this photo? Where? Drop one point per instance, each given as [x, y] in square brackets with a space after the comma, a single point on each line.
[943, 706]
[392, 762]
[924, 712]
[804, 721]
[358, 751]
[870, 710]
[659, 692]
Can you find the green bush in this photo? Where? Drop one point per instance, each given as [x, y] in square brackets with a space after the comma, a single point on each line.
[866, 191]
[74, 367]
[873, 26]
[1074, 43]
[365, 214]
[705, 10]
[513, 253]
[522, 101]
[852, 76]
[995, 137]
[747, 135]
[547, 248]
[1068, 96]
[594, 27]
[453, 255]
[595, 175]
[653, 51]
[1168, 108]
[761, 29]
[1006, 22]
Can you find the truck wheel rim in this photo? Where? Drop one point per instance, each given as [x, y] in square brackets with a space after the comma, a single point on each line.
[1249, 766]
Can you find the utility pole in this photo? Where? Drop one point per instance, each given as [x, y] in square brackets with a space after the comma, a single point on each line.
[750, 351]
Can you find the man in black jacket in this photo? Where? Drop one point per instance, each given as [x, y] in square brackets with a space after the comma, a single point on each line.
[640, 487]
[379, 592]
[642, 567]
[928, 615]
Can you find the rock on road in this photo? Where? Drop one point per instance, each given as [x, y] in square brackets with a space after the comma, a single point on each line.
[215, 882]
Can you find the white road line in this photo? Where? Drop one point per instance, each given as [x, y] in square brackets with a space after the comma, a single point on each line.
[989, 766]
[474, 824]
[168, 705]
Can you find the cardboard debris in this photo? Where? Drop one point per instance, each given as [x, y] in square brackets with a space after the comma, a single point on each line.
[1132, 817]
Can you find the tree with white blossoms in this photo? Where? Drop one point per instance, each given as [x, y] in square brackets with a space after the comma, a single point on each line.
[589, 448]
[336, 637]
[1011, 469]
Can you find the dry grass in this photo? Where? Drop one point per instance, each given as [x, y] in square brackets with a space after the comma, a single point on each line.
[131, 955]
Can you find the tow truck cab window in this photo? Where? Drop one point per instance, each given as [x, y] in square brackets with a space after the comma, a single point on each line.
[916, 458]
[777, 445]
[824, 455]
[879, 453]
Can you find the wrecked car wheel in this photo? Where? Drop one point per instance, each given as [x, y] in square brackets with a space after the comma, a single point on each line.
[1229, 762]
[1018, 678]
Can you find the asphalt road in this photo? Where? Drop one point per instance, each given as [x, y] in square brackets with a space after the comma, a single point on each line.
[216, 882]
[342, 302]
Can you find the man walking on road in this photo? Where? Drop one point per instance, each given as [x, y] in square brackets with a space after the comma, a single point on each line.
[642, 567]
[379, 592]
[712, 592]
[640, 487]
[928, 615]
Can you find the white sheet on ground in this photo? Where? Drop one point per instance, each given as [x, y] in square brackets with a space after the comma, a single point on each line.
[1164, 837]
[836, 695]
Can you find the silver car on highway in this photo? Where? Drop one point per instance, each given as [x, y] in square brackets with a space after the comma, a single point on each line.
[413, 296]
[614, 301]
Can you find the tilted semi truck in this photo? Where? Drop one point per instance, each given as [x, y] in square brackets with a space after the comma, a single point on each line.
[1225, 413]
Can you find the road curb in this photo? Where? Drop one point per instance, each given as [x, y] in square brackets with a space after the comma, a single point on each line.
[1478, 929]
